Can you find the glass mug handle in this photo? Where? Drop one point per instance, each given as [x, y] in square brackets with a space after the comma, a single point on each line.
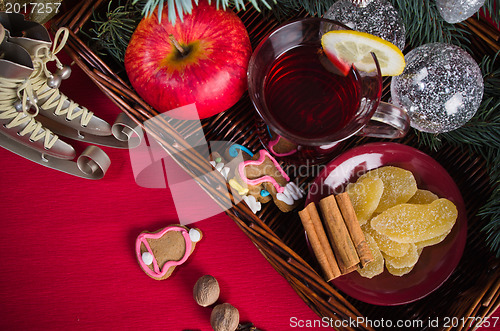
[388, 121]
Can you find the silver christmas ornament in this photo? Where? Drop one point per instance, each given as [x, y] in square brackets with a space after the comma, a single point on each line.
[378, 17]
[454, 11]
[441, 87]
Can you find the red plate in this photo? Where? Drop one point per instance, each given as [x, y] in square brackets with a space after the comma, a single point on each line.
[436, 262]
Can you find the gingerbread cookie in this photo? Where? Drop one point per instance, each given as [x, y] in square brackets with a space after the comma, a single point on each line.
[233, 155]
[158, 253]
[219, 164]
[280, 146]
[238, 152]
[264, 179]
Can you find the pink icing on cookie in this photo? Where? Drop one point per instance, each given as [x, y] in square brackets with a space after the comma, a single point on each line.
[142, 240]
[266, 178]
[274, 142]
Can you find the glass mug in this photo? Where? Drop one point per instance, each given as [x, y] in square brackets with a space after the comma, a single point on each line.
[306, 106]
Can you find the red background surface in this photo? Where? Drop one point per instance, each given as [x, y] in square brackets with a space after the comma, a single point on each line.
[67, 251]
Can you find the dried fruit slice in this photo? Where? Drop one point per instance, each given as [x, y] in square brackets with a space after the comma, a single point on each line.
[399, 186]
[405, 261]
[355, 47]
[385, 244]
[398, 271]
[365, 196]
[423, 197]
[432, 241]
[409, 223]
[376, 267]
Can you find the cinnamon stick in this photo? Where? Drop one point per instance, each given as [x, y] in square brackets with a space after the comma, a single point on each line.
[352, 223]
[341, 241]
[325, 244]
[319, 241]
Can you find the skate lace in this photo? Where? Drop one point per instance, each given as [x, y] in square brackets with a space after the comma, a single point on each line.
[12, 90]
[54, 97]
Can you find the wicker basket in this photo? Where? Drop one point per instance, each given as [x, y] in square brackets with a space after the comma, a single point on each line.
[471, 291]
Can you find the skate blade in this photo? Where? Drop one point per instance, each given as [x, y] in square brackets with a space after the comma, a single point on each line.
[93, 163]
[124, 133]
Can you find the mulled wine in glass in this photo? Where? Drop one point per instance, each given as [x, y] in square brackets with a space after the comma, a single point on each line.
[306, 104]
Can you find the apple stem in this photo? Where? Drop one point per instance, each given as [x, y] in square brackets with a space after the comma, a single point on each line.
[178, 46]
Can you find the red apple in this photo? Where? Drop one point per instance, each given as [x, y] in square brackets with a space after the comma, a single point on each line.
[202, 59]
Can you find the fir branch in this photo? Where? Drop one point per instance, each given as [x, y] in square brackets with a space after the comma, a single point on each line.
[431, 140]
[424, 24]
[483, 130]
[492, 211]
[422, 19]
[284, 8]
[179, 8]
[280, 8]
[114, 29]
[491, 110]
[481, 134]
[491, 75]
[491, 7]
[313, 7]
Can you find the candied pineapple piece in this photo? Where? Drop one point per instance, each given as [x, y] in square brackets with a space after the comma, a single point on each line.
[432, 241]
[399, 186]
[365, 196]
[385, 244]
[375, 267]
[398, 271]
[409, 223]
[423, 197]
[405, 261]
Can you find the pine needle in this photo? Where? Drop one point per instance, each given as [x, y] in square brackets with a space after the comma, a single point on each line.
[114, 29]
[179, 8]
[492, 8]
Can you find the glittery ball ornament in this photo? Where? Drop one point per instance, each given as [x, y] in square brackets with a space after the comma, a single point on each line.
[378, 17]
[454, 11]
[441, 87]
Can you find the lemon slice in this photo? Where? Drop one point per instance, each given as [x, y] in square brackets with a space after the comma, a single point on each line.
[354, 47]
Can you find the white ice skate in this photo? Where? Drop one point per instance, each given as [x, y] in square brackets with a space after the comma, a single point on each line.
[56, 110]
[22, 134]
